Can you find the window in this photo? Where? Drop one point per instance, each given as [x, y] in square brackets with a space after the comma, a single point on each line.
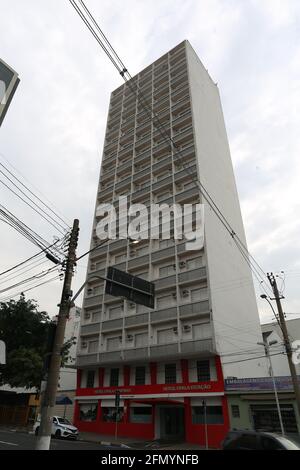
[114, 377]
[140, 375]
[115, 312]
[167, 270]
[194, 263]
[199, 294]
[88, 412]
[201, 331]
[141, 340]
[90, 378]
[213, 415]
[164, 301]
[141, 414]
[170, 374]
[165, 336]
[203, 371]
[268, 443]
[113, 344]
[110, 415]
[93, 346]
[235, 411]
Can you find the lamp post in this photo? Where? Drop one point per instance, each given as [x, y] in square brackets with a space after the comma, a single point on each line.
[267, 350]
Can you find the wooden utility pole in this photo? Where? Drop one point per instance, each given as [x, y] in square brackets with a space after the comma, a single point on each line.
[49, 395]
[286, 339]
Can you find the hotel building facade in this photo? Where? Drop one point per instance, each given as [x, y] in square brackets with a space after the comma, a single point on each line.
[169, 363]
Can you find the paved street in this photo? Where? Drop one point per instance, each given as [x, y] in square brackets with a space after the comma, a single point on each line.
[10, 440]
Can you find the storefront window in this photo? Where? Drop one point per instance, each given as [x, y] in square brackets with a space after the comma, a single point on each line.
[88, 412]
[109, 415]
[141, 414]
[214, 415]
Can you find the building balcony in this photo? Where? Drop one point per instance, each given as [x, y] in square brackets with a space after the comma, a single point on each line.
[164, 315]
[105, 194]
[185, 174]
[86, 360]
[92, 301]
[93, 328]
[187, 277]
[203, 347]
[141, 174]
[163, 164]
[189, 196]
[162, 184]
[143, 157]
[182, 121]
[112, 325]
[162, 255]
[124, 167]
[165, 282]
[140, 195]
[195, 309]
[162, 149]
[123, 184]
[140, 261]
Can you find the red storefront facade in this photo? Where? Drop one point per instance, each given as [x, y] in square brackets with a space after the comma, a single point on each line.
[170, 407]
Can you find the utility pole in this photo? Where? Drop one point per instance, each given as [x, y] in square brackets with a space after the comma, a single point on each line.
[49, 395]
[286, 338]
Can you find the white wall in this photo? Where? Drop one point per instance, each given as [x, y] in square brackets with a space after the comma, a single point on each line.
[234, 310]
[280, 362]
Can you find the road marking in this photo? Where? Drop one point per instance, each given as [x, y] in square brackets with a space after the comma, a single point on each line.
[9, 443]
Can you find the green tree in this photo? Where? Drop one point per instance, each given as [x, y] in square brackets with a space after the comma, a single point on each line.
[25, 331]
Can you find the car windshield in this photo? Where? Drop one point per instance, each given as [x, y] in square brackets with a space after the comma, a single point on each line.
[63, 421]
[289, 444]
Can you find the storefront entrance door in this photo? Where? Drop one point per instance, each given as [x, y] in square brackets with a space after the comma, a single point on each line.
[172, 422]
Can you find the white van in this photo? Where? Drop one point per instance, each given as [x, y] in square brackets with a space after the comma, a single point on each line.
[61, 427]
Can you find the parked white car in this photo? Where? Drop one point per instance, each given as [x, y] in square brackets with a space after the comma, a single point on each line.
[61, 427]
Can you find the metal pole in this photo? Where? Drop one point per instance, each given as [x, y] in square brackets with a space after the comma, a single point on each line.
[286, 340]
[275, 389]
[48, 398]
[116, 424]
[205, 425]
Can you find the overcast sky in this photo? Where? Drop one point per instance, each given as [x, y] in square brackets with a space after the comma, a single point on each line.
[54, 130]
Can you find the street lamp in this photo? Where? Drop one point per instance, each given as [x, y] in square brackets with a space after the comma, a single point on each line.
[267, 350]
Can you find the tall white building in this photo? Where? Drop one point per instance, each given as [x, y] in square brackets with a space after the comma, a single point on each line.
[166, 361]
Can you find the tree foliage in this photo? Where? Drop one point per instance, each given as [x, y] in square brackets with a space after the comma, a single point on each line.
[25, 331]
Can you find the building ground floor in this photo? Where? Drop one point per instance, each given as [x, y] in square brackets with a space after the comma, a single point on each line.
[179, 400]
[201, 419]
[253, 406]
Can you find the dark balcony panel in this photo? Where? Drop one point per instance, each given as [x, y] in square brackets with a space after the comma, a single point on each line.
[112, 325]
[141, 319]
[123, 184]
[197, 347]
[139, 261]
[161, 315]
[161, 184]
[194, 309]
[95, 301]
[90, 329]
[117, 245]
[138, 195]
[163, 254]
[86, 360]
[165, 282]
[194, 275]
[189, 194]
[163, 351]
[135, 354]
[110, 357]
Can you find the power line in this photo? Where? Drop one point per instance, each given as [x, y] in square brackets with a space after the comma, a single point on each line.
[30, 199]
[25, 281]
[56, 212]
[27, 290]
[29, 205]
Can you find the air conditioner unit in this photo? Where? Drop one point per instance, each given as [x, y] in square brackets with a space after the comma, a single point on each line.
[87, 316]
[174, 296]
[129, 337]
[182, 264]
[132, 305]
[186, 328]
[120, 338]
[83, 345]
[175, 330]
[185, 293]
